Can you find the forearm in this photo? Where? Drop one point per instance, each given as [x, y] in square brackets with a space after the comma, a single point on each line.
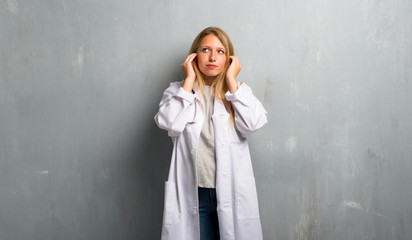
[188, 85]
[175, 110]
[232, 85]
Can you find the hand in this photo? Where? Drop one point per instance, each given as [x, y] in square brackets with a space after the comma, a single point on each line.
[188, 70]
[232, 72]
[187, 66]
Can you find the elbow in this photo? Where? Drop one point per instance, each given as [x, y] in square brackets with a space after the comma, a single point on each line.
[259, 120]
[248, 127]
[172, 129]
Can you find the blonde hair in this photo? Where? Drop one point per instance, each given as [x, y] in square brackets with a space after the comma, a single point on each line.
[219, 86]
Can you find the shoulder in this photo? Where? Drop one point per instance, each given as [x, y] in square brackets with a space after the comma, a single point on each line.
[176, 85]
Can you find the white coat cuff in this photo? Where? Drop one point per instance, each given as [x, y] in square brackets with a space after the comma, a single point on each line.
[190, 97]
[241, 90]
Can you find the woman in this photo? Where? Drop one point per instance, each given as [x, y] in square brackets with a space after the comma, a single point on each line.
[210, 192]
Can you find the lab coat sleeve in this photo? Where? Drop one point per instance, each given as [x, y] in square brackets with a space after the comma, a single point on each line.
[250, 115]
[173, 113]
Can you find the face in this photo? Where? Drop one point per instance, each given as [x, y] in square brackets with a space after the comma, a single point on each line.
[211, 56]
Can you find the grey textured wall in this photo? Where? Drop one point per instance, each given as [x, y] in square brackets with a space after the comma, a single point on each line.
[80, 82]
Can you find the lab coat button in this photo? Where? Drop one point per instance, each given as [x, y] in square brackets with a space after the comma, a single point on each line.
[193, 151]
[194, 210]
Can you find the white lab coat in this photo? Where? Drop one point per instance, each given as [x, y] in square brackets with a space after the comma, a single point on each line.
[181, 114]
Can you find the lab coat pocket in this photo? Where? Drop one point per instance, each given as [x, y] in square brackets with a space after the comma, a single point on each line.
[171, 207]
[247, 201]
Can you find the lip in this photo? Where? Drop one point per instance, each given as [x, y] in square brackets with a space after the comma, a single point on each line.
[211, 66]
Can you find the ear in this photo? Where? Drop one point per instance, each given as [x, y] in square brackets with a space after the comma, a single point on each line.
[230, 60]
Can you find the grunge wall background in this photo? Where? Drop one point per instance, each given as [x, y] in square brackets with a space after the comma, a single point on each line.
[80, 82]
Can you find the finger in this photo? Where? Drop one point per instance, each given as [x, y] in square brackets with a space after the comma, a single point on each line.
[193, 56]
[190, 57]
[236, 60]
[233, 57]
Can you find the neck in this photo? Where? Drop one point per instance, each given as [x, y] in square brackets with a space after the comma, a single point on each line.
[208, 80]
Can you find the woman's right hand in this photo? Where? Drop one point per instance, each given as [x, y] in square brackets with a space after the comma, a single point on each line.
[189, 71]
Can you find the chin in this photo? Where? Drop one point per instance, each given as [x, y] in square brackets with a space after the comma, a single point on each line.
[212, 74]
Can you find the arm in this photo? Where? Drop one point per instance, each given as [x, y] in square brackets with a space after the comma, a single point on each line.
[250, 115]
[249, 112]
[174, 109]
[176, 100]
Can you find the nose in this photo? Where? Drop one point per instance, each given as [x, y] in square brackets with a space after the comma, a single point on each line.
[212, 56]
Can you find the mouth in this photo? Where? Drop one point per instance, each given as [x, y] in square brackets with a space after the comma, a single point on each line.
[211, 66]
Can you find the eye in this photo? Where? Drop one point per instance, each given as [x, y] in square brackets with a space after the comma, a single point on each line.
[221, 51]
[205, 49]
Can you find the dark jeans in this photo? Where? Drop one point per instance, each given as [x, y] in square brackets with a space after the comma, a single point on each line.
[209, 224]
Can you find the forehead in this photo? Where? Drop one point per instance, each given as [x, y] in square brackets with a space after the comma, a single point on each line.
[212, 41]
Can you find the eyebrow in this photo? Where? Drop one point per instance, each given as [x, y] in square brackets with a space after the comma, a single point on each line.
[203, 46]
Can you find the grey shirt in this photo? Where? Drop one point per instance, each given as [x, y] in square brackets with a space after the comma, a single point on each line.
[206, 161]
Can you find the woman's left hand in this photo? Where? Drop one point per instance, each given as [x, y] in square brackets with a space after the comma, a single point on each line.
[232, 72]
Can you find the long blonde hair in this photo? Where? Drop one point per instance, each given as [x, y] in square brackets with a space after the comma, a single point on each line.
[219, 86]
